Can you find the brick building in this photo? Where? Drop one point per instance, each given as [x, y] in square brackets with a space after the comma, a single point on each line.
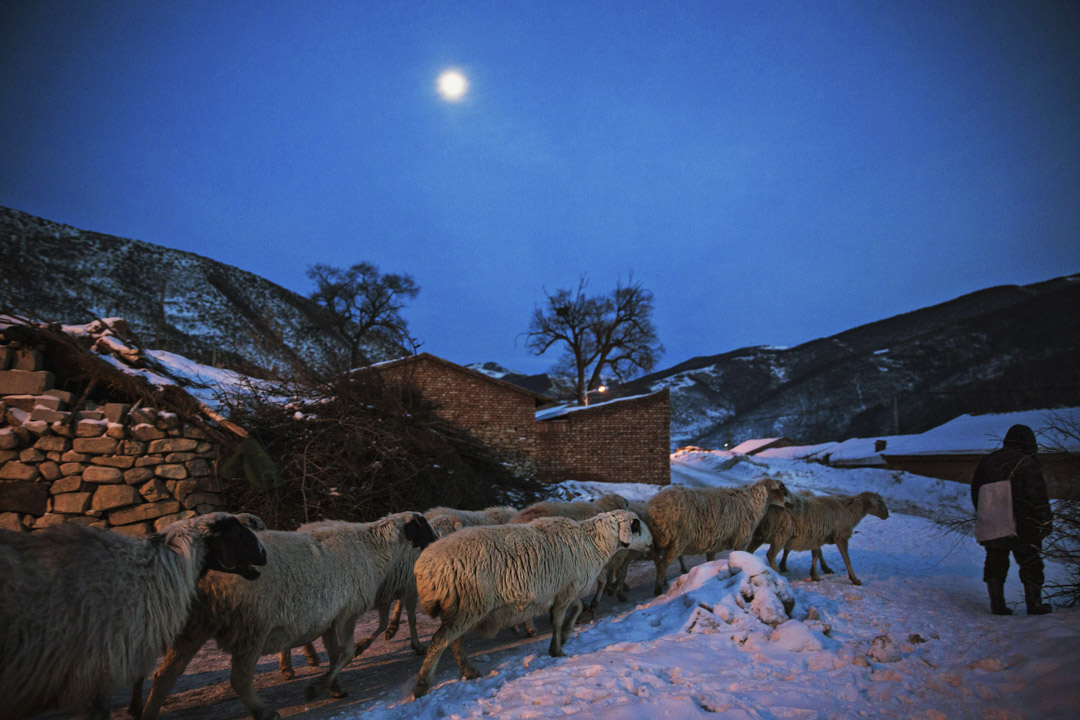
[621, 441]
[498, 413]
[624, 440]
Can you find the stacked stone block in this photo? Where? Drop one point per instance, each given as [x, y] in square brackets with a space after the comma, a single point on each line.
[129, 470]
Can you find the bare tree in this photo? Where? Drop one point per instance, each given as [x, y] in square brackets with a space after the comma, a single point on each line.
[611, 332]
[360, 301]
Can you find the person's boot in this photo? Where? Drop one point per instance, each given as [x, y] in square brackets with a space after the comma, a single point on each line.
[996, 588]
[1033, 596]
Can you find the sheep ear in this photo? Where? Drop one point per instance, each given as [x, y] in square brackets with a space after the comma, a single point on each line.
[625, 533]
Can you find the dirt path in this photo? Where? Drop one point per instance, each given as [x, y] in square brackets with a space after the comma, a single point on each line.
[385, 672]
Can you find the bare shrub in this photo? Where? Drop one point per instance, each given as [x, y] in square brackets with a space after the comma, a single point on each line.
[355, 448]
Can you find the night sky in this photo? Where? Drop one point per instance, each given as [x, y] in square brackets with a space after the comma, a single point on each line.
[773, 172]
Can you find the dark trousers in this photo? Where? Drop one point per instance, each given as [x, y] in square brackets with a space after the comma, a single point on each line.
[1028, 554]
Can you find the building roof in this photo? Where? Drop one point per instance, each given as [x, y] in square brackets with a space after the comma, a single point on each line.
[559, 411]
[749, 447]
[410, 359]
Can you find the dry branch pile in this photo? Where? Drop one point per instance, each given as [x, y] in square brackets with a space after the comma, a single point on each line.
[357, 449]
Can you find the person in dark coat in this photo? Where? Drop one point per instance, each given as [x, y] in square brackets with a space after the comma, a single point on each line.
[1016, 461]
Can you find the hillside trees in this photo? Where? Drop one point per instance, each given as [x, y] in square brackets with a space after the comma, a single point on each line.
[612, 332]
[361, 302]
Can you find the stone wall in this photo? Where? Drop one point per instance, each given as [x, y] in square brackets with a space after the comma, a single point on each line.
[132, 471]
[618, 441]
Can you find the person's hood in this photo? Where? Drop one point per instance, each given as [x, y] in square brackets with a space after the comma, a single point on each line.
[1022, 438]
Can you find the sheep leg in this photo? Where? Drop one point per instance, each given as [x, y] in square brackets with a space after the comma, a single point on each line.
[557, 615]
[395, 619]
[662, 560]
[285, 661]
[770, 555]
[136, 705]
[468, 671]
[442, 637]
[410, 613]
[783, 560]
[285, 665]
[384, 620]
[620, 581]
[824, 568]
[338, 642]
[98, 708]
[172, 667]
[842, 546]
[709, 557]
[311, 655]
[242, 679]
[814, 555]
[682, 565]
[601, 585]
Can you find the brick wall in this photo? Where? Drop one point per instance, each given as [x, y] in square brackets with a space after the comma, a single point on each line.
[497, 414]
[132, 471]
[619, 441]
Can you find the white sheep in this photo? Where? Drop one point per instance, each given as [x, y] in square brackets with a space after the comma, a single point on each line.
[578, 510]
[830, 520]
[777, 527]
[688, 521]
[496, 515]
[613, 577]
[575, 510]
[83, 611]
[486, 578]
[398, 587]
[317, 583]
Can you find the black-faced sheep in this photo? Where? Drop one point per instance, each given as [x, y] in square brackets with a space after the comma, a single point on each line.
[486, 578]
[83, 611]
[317, 583]
[688, 521]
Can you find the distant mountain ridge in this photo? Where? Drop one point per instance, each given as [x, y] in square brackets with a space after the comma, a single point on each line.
[995, 350]
[171, 299]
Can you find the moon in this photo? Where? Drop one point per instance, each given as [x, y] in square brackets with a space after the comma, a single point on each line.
[452, 85]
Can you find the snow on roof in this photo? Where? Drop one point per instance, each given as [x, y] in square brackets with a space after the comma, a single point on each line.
[748, 447]
[560, 410]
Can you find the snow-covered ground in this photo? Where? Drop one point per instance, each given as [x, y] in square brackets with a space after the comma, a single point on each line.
[916, 640]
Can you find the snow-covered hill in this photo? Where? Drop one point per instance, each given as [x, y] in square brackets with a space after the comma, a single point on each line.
[997, 350]
[172, 300]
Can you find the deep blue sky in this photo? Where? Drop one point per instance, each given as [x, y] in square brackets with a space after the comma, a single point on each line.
[773, 172]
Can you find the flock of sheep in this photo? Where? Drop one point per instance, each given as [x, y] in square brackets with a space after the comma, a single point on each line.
[84, 612]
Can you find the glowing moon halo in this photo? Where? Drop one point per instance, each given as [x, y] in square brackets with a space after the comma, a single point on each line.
[452, 85]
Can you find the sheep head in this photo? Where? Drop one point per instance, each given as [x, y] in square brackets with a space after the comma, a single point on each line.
[779, 495]
[876, 506]
[232, 547]
[419, 532]
[633, 533]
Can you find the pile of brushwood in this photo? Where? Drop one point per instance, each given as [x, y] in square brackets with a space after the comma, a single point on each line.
[354, 448]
